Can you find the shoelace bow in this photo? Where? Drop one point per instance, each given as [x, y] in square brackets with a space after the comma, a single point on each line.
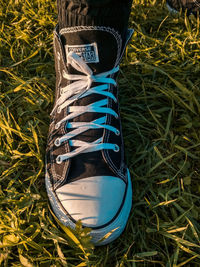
[81, 87]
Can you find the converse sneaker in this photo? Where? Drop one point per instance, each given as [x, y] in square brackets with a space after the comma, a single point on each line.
[86, 177]
[190, 6]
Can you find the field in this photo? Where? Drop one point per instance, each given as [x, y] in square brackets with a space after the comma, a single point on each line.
[160, 108]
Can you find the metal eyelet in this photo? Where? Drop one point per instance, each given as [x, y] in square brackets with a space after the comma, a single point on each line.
[117, 117]
[117, 132]
[58, 160]
[57, 142]
[61, 91]
[58, 110]
[116, 149]
[57, 126]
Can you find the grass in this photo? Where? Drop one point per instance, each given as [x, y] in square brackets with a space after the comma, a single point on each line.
[160, 108]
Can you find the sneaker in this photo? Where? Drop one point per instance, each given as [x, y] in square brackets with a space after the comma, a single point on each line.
[86, 176]
[190, 6]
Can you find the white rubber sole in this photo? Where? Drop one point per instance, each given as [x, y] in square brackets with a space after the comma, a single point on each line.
[112, 231]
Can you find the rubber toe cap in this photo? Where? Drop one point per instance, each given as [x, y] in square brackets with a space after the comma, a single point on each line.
[94, 200]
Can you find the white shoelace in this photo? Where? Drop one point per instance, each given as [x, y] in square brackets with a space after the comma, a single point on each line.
[81, 87]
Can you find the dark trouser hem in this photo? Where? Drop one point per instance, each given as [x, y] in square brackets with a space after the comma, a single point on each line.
[109, 13]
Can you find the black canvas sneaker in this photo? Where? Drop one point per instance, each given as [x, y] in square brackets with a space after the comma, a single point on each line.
[86, 176]
[190, 6]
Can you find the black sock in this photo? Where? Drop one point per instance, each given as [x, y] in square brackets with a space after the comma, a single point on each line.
[108, 13]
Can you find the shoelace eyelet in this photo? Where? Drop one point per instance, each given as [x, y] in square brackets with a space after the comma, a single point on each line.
[57, 126]
[58, 160]
[58, 110]
[117, 132]
[116, 149]
[116, 117]
[57, 142]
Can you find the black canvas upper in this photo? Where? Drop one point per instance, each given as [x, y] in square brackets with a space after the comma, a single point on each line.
[99, 163]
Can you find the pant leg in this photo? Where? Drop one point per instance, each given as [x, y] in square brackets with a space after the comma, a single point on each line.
[110, 13]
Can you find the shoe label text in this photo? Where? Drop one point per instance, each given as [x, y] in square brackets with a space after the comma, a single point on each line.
[88, 52]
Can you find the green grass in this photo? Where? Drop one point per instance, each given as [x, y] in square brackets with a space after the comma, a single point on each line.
[160, 108]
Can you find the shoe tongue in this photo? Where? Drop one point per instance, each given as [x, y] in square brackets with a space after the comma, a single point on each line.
[99, 47]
